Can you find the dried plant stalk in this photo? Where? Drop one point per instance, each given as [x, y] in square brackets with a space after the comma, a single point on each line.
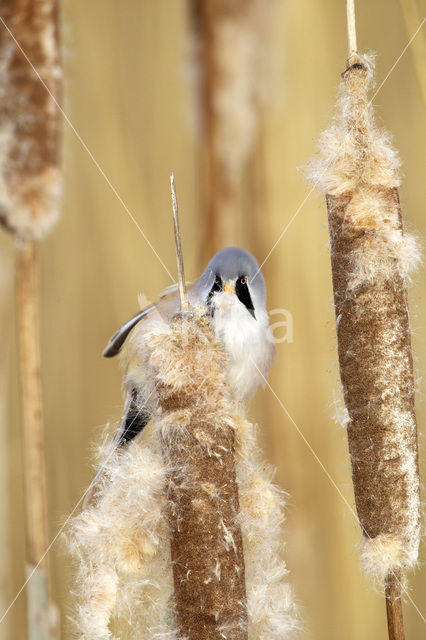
[228, 38]
[178, 244]
[30, 187]
[32, 409]
[394, 606]
[206, 542]
[42, 615]
[371, 259]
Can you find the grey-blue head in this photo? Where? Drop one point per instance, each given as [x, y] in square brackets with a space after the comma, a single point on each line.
[234, 267]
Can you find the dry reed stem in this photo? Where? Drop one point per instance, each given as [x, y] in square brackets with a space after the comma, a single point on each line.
[350, 18]
[394, 606]
[42, 616]
[32, 410]
[178, 244]
[30, 188]
[391, 303]
[198, 448]
[221, 186]
[230, 44]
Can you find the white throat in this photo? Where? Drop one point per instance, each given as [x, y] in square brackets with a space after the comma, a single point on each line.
[247, 341]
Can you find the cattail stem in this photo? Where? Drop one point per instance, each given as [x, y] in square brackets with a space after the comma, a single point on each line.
[221, 186]
[231, 44]
[33, 439]
[31, 400]
[394, 606]
[352, 44]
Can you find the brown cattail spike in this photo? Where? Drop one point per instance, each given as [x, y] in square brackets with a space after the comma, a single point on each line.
[371, 259]
[30, 182]
[198, 447]
[229, 38]
[175, 510]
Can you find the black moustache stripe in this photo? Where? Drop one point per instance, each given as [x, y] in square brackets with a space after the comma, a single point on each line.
[217, 286]
[243, 294]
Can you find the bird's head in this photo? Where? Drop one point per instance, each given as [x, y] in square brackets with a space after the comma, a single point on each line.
[232, 277]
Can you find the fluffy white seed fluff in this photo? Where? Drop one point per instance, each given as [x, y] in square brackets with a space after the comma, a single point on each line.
[271, 606]
[366, 165]
[124, 583]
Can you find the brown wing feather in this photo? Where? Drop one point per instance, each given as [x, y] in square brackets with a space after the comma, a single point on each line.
[166, 306]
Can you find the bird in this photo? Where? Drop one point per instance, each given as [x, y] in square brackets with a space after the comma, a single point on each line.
[232, 290]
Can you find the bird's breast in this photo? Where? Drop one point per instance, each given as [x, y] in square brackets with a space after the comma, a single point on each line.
[248, 344]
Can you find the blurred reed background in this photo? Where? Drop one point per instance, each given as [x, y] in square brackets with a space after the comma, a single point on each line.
[128, 94]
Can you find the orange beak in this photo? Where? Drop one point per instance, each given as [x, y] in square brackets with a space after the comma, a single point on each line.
[229, 287]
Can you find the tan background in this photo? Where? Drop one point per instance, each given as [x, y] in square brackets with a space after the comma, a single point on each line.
[126, 95]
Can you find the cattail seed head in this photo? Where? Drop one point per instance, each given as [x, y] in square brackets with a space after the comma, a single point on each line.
[372, 258]
[30, 182]
[171, 548]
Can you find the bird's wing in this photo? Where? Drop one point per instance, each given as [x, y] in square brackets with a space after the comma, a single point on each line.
[167, 305]
[136, 417]
[173, 288]
[116, 341]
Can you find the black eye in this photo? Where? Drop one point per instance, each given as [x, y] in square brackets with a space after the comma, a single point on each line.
[217, 281]
[243, 280]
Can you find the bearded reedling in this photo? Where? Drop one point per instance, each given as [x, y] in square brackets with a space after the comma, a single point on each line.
[184, 506]
[232, 292]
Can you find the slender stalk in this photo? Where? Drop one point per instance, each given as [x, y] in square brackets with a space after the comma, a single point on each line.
[230, 41]
[221, 188]
[179, 255]
[31, 400]
[27, 292]
[394, 606]
[352, 43]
